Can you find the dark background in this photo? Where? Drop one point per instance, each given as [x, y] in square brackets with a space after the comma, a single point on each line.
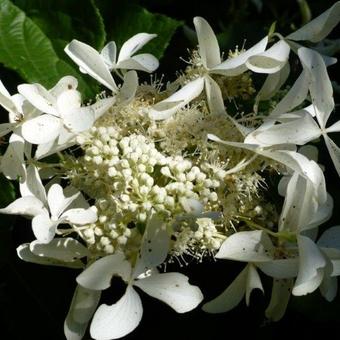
[34, 299]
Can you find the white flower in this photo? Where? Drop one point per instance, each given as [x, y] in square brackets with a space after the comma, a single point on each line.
[210, 56]
[314, 31]
[20, 111]
[99, 66]
[14, 105]
[48, 211]
[126, 59]
[305, 260]
[299, 127]
[255, 248]
[62, 115]
[121, 318]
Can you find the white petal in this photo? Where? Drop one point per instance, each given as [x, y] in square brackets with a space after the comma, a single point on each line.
[235, 66]
[155, 246]
[39, 97]
[298, 131]
[329, 284]
[33, 186]
[80, 119]
[241, 165]
[79, 216]
[67, 101]
[6, 100]
[25, 254]
[253, 282]
[295, 96]
[57, 201]
[83, 305]
[231, 297]
[336, 267]
[46, 149]
[28, 206]
[99, 274]
[322, 214]
[63, 249]
[118, 320]
[133, 45]
[311, 268]
[6, 128]
[91, 62]
[142, 62]
[214, 96]
[270, 61]
[183, 96]
[128, 90]
[279, 299]
[334, 152]
[311, 109]
[320, 86]
[273, 83]
[4, 91]
[66, 83]
[109, 54]
[283, 184]
[330, 238]
[173, 289]
[80, 201]
[315, 174]
[42, 129]
[280, 268]
[334, 128]
[102, 106]
[304, 167]
[147, 61]
[247, 246]
[12, 162]
[299, 206]
[43, 228]
[207, 43]
[320, 27]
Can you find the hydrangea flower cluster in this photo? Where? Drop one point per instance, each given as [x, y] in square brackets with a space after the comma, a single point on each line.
[150, 173]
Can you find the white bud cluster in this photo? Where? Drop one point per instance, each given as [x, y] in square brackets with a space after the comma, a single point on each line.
[205, 240]
[130, 179]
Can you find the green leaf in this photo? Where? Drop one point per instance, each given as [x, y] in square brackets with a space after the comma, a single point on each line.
[64, 20]
[25, 48]
[123, 20]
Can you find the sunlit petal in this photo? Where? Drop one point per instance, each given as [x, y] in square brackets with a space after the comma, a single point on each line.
[118, 320]
[173, 289]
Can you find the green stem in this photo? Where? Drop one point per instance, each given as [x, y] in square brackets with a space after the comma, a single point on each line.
[290, 236]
